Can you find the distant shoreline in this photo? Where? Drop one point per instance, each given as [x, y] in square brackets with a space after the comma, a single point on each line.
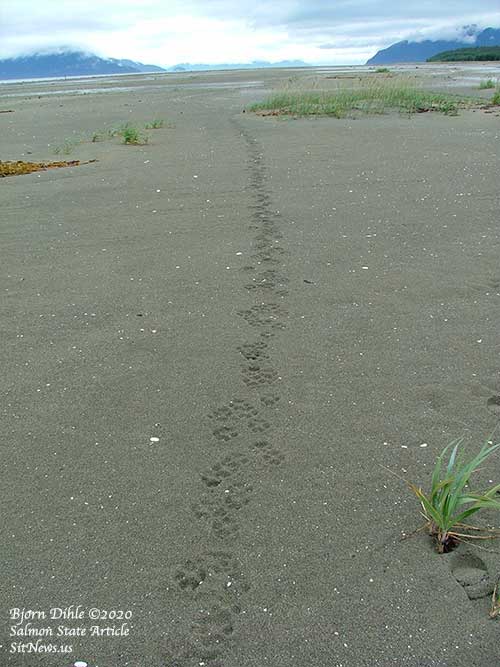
[179, 72]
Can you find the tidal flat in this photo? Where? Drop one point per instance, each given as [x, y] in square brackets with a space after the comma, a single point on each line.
[218, 343]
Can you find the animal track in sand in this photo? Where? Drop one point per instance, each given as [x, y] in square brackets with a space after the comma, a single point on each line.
[267, 243]
[225, 433]
[267, 453]
[227, 467]
[228, 416]
[220, 508]
[257, 375]
[214, 568]
[258, 425]
[190, 575]
[472, 574]
[211, 567]
[236, 409]
[263, 199]
[211, 628]
[268, 280]
[268, 232]
[493, 404]
[254, 351]
[269, 255]
[228, 490]
[216, 582]
[265, 223]
[269, 399]
[264, 315]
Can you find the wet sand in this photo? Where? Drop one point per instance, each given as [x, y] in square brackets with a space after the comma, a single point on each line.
[213, 344]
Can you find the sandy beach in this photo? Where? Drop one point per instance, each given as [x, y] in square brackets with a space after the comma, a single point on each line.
[218, 347]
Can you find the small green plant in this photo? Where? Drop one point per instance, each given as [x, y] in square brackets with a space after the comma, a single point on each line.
[131, 135]
[97, 136]
[382, 70]
[496, 98]
[449, 108]
[485, 85]
[155, 124]
[450, 501]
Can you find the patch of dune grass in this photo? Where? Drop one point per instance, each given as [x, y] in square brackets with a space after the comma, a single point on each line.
[364, 97]
[485, 85]
[496, 98]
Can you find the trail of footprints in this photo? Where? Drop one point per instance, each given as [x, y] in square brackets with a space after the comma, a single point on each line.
[242, 433]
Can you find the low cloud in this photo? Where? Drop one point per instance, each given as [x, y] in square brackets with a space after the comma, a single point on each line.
[231, 31]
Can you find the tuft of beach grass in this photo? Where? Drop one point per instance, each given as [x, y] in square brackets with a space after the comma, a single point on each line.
[155, 124]
[450, 501]
[131, 135]
[487, 84]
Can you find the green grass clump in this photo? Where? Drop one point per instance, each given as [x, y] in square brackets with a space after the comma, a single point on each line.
[131, 135]
[485, 85]
[450, 502]
[382, 70]
[496, 98]
[367, 97]
[155, 124]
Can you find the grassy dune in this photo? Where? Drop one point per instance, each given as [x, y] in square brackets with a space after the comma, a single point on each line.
[366, 96]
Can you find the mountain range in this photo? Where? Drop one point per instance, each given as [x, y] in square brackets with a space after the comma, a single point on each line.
[68, 63]
[78, 63]
[411, 52]
[255, 64]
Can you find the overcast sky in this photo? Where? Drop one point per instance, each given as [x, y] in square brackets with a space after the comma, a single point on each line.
[166, 32]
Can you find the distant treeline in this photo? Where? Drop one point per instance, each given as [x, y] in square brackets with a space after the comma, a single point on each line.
[473, 53]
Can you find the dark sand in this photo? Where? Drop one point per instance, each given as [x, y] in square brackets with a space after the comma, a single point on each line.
[286, 305]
